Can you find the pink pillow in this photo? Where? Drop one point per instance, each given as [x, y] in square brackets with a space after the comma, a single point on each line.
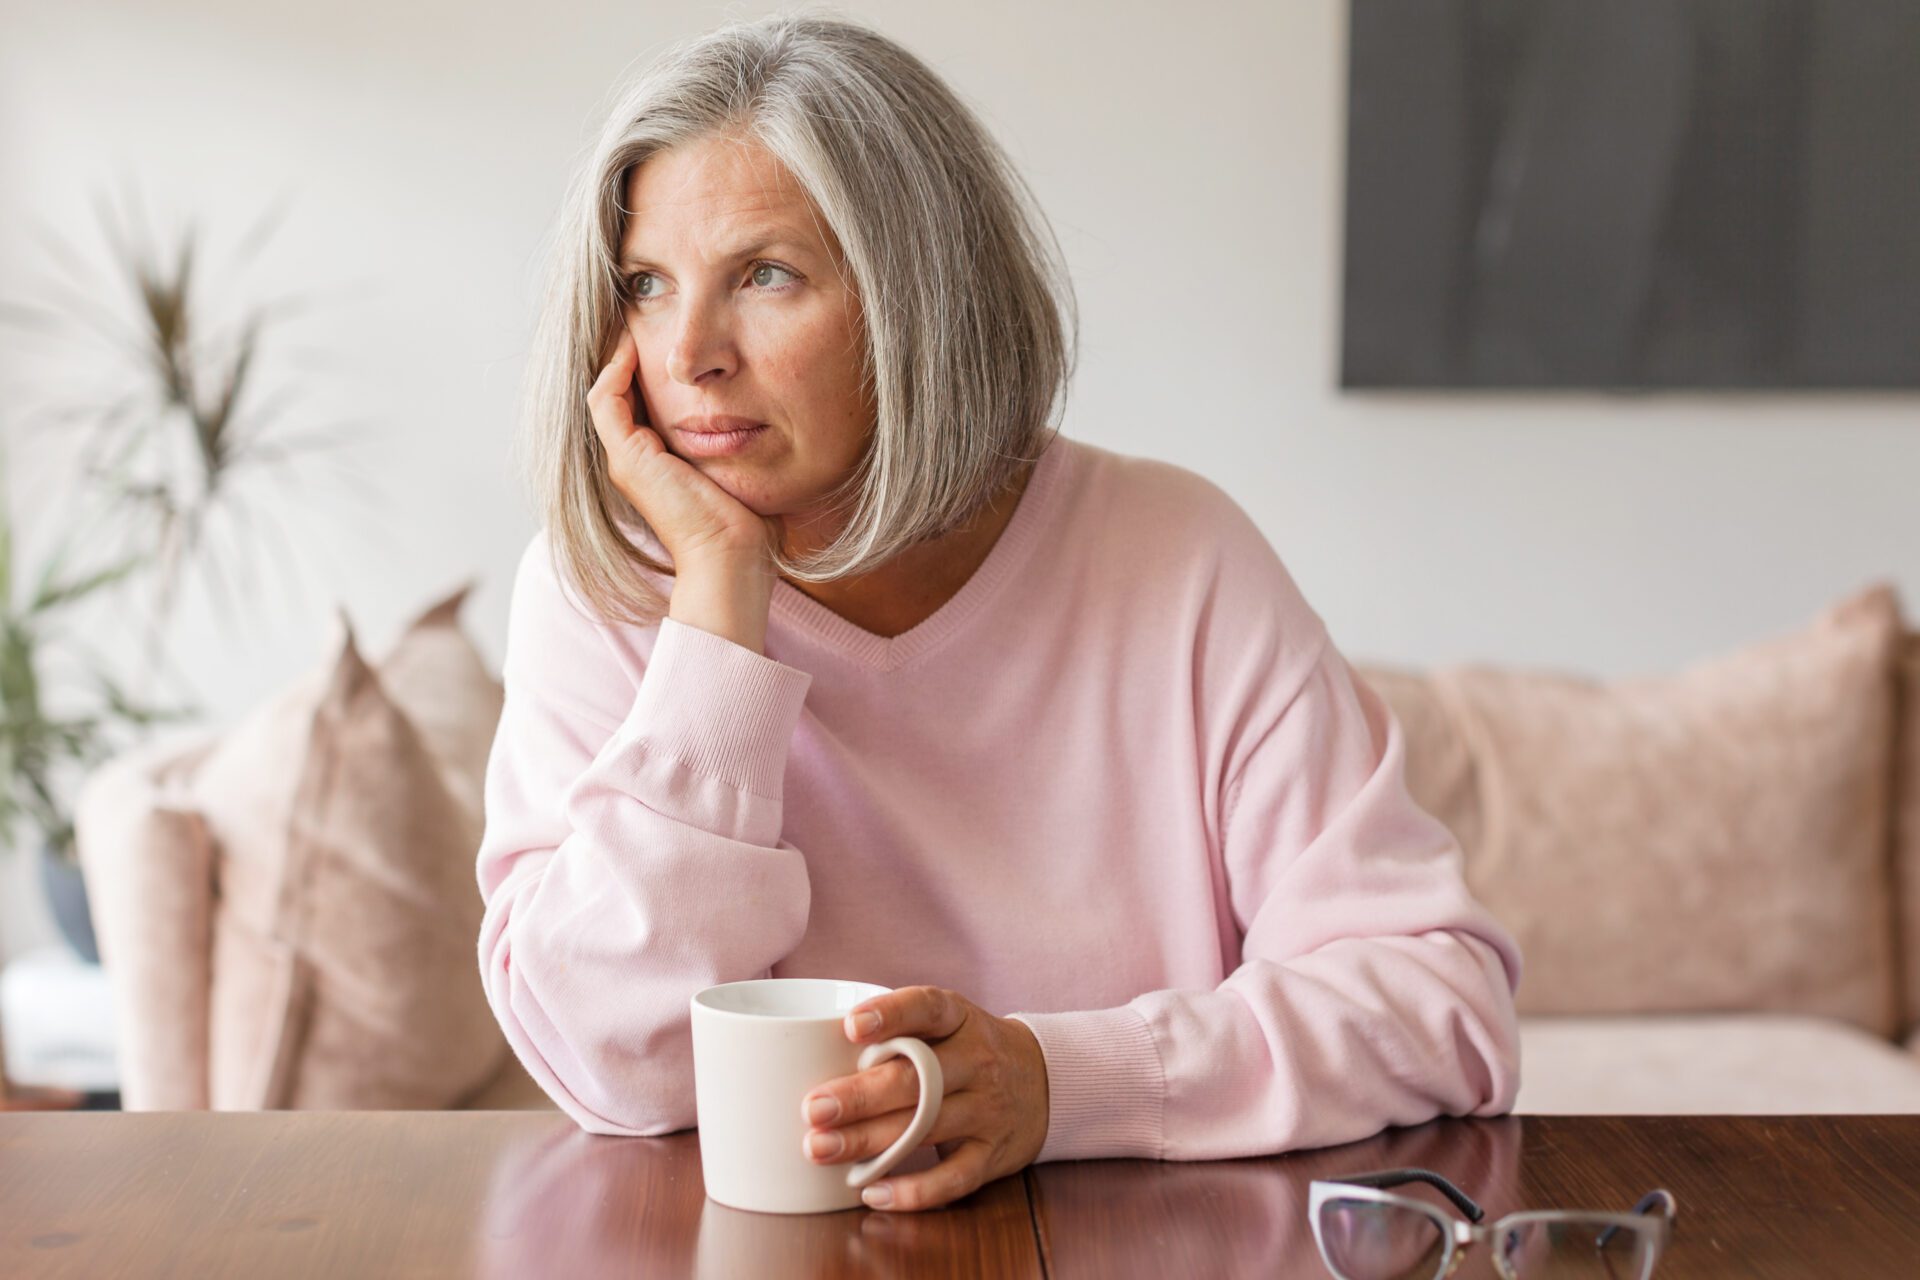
[1713, 840]
[343, 968]
[149, 869]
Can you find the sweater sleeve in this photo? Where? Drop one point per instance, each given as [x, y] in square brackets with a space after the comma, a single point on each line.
[631, 853]
[1372, 991]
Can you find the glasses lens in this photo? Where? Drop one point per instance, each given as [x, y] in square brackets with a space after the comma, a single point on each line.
[1367, 1240]
[1576, 1249]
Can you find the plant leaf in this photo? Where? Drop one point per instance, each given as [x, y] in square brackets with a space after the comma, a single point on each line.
[127, 709]
[50, 597]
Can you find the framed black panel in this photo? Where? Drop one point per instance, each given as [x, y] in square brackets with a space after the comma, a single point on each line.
[1632, 194]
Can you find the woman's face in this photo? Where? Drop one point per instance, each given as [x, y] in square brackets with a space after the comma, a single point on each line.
[736, 308]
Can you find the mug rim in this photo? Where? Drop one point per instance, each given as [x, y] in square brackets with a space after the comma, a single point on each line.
[700, 1002]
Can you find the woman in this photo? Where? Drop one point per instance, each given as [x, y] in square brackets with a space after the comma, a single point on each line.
[834, 659]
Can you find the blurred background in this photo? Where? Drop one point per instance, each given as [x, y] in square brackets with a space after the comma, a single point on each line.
[387, 172]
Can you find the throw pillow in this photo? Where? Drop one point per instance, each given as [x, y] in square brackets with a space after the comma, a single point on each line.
[346, 910]
[1712, 840]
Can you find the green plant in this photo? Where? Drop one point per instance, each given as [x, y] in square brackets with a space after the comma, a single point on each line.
[35, 741]
[168, 451]
[175, 450]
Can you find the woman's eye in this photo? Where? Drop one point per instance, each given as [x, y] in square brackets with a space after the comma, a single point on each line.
[638, 284]
[768, 266]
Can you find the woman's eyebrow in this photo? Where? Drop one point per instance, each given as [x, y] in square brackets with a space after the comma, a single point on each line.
[760, 244]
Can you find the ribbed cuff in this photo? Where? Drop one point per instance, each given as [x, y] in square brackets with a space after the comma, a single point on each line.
[1106, 1088]
[718, 707]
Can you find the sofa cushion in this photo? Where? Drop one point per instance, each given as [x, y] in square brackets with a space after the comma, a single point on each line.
[148, 861]
[435, 675]
[1906, 824]
[1713, 840]
[346, 911]
[1715, 1064]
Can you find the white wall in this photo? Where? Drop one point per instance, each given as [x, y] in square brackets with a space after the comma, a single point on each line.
[1190, 157]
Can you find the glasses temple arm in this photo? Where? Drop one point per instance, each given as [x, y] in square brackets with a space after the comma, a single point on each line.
[1396, 1177]
[1660, 1199]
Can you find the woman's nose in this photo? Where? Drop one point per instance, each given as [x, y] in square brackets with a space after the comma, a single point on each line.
[702, 343]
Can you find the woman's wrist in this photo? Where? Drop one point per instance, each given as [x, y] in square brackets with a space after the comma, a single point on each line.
[727, 598]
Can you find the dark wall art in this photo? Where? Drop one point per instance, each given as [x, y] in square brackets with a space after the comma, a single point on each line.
[1632, 194]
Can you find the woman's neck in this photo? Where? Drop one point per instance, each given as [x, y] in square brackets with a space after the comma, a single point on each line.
[913, 585]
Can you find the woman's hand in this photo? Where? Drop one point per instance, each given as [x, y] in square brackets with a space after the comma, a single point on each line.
[695, 519]
[721, 548]
[993, 1119]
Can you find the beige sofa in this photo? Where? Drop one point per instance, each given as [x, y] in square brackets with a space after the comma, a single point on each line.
[1712, 876]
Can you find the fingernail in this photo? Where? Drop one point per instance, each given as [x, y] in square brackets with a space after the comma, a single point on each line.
[865, 1024]
[879, 1195]
[823, 1110]
[825, 1146]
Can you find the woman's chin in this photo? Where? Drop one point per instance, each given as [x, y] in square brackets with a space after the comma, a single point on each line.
[762, 488]
[743, 486]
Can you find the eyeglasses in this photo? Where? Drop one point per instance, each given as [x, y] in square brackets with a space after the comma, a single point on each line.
[1367, 1233]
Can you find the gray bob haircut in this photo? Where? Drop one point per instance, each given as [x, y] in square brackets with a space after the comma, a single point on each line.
[970, 318]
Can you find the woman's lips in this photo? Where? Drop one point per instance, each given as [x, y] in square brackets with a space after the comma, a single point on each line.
[718, 444]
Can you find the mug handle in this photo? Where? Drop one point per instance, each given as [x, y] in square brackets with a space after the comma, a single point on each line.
[933, 1087]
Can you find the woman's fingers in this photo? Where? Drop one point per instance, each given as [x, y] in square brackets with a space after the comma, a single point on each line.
[610, 399]
[688, 511]
[961, 1116]
[894, 1084]
[992, 1121]
[970, 1156]
[969, 1166]
[887, 1086]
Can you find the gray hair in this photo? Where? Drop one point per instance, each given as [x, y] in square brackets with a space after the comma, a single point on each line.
[971, 322]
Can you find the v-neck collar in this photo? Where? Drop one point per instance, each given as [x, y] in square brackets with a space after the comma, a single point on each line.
[890, 653]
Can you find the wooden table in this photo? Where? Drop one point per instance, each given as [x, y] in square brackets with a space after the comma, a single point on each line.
[362, 1194]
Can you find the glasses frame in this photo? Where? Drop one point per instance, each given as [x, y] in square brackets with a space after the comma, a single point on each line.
[1657, 1209]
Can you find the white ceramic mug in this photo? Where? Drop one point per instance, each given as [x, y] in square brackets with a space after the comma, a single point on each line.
[758, 1048]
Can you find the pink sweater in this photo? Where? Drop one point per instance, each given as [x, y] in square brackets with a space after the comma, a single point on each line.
[1122, 786]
